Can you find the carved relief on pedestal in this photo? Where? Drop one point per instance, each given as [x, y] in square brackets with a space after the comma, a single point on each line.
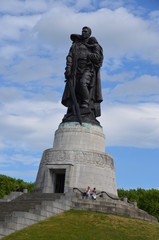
[77, 157]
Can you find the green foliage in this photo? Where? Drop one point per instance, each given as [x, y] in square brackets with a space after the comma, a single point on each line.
[86, 225]
[8, 184]
[148, 200]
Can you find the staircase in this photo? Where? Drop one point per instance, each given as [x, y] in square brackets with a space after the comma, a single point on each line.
[28, 209]
[110, 206]
[11, 196]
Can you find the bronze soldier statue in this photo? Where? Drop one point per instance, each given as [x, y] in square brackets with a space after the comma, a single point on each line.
[82, 95]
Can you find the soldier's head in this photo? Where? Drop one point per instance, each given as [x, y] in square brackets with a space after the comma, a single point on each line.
[86, 32]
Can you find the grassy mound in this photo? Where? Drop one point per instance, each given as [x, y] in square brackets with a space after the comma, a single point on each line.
[84, 225]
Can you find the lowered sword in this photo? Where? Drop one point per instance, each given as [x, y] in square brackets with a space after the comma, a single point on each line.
[76, 106]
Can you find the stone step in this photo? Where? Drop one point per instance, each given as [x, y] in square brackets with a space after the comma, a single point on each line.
[23, 206]
[94, 205]
[91, 203]
[65, 201]
[21, 203]
[20, 220]
[18, 206]
[5, 231]
[28, 209]
[37, 196]
[14, 226]
[103, 202]
[119, 207]
[99, 200]
[41, 212]
[50, 206]
[28, 215]
[11, 196]
[31, 210]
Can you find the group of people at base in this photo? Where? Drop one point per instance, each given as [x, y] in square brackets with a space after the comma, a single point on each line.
[90, 194]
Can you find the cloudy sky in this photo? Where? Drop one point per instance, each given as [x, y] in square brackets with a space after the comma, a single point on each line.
[34, 42]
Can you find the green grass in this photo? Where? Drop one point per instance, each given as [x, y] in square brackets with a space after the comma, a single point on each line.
[84, 225]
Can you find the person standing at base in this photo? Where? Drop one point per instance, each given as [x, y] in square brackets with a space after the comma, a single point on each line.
[88, 192]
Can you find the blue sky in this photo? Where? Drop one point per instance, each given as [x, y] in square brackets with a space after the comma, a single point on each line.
[34, 43]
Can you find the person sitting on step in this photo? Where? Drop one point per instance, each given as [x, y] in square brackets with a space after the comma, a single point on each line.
[94, 194]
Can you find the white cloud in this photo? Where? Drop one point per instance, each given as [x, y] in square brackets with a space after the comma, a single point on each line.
[27, 124]
[34, 74]
[2, 145]
[19, 158]
[154, 17]
[119, 32]
[31, 69]
[9, 51]
[123, 76]
[12, 26]
[31, 125]
[111, 4]
[82, 4]
[144, 88]
[9, 94]
[131, 125]
[25, 7]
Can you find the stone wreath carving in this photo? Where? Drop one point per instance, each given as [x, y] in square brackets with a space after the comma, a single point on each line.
[77, 157]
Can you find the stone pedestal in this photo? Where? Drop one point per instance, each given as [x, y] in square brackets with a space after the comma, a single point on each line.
[77, 159]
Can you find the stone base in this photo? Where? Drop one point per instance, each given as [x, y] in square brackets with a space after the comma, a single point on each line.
[87, 115]
[78, 156]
